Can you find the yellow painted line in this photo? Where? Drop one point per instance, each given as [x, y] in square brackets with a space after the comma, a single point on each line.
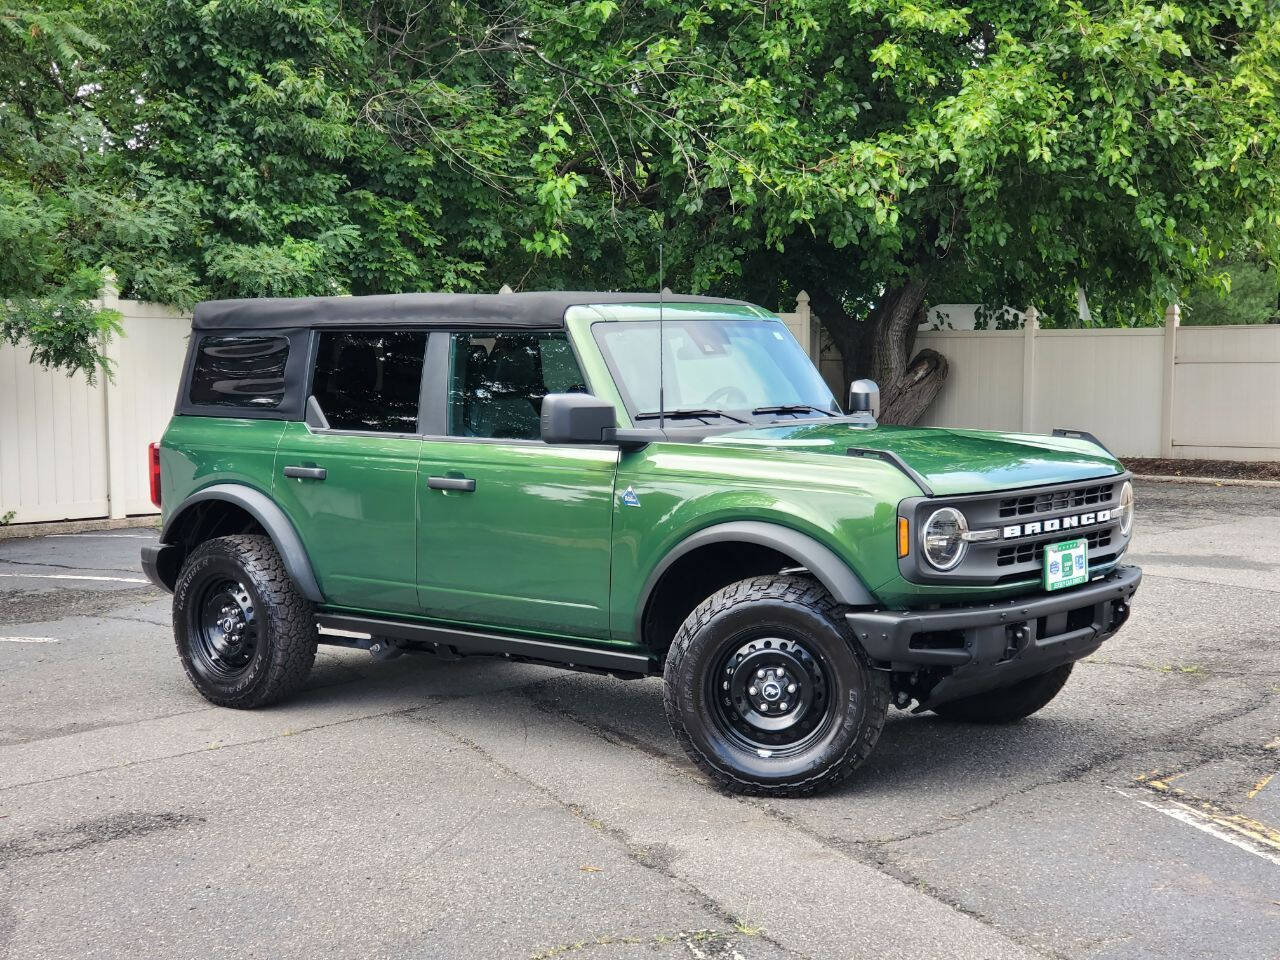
[1194, 818]
[1212, 817]
[1257, 787]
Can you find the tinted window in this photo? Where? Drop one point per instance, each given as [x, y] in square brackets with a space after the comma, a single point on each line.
[498, 380]
[370, 381]
[239, 371]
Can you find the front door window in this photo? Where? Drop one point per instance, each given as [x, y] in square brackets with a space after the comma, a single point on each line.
[498, 380]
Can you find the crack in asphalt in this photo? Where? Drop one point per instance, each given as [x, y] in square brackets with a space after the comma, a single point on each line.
[719, 941]
[833, 844]
[643, 855]
[428, 700]
[1190, 672]
[91, 833]
[877, 853]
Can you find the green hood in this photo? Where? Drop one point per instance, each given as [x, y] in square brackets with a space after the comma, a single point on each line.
[951, 461]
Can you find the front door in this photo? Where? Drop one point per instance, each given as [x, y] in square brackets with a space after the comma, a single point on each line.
[351, 489]
[514, 533]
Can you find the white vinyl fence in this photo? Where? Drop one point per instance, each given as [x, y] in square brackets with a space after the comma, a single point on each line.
[1186, 392]
[70, 451]
[1209, 393]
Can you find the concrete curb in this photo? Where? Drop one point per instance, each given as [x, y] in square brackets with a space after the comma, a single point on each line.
[18, 531]
[1212, 481]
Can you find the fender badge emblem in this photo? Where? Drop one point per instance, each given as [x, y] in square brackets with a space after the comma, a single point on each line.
[629, 498]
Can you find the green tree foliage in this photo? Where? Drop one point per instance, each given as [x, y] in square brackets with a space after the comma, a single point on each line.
[1251, 295]
[879, 153]
[51, 186]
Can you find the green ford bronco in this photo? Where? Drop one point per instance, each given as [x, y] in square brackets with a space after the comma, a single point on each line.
[630, 485]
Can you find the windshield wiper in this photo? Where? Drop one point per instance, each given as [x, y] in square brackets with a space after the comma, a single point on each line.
[792, 408]
[688, 414]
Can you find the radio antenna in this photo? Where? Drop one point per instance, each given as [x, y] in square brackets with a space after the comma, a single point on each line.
[662, 404]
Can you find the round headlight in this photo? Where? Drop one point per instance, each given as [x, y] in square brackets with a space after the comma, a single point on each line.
[942, 538]
[1125, 510]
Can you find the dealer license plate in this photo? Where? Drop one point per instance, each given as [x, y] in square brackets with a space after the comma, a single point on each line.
[1066, 564]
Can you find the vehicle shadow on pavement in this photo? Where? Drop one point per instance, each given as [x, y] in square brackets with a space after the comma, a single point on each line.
[914, 752]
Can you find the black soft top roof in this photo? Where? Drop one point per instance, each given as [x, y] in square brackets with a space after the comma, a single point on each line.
[463, 309]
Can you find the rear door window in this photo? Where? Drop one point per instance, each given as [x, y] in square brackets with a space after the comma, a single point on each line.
[240, 372]
[370, 381]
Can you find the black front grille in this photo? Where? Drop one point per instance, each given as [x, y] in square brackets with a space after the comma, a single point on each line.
[1001, 554]
[1034, 552]
[1068, 499]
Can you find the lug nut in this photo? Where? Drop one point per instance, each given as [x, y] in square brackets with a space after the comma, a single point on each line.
[752, 691]
[791, 688]
[760, 674]
[782, 705]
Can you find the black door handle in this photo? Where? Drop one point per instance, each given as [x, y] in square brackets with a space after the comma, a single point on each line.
[465, 484]
[306, 473]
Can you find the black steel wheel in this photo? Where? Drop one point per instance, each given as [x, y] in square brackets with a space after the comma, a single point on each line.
[768, 691]
[223, 629]
[245, 636]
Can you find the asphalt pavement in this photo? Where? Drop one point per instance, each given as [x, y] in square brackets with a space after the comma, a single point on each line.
[483, 809]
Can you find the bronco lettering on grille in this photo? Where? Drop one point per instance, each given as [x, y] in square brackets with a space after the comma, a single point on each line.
[1058, 523]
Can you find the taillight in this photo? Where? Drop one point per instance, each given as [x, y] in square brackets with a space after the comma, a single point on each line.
[153, 454]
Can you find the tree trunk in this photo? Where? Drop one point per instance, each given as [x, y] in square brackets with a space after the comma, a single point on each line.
[880, 347]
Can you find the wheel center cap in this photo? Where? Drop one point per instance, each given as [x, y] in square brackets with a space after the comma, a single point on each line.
[771, 690]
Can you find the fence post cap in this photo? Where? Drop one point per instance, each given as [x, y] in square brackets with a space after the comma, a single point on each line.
[1172, 315]
[802, 297]
[110, 287]
[505, 288]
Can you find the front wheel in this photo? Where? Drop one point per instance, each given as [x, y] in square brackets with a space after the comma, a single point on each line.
[245, 635]
[1008, 704]
[768, 692]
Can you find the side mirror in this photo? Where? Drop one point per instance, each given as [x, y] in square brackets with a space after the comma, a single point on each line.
[576, 418]
[864, 397]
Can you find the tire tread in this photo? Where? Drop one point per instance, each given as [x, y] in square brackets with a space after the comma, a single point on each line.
[289, 618]
[806, 592]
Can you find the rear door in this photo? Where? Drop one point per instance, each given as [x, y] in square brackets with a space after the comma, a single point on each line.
[351, 489]
[514, 533]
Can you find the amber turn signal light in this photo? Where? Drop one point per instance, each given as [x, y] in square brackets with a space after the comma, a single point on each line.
[904, 537]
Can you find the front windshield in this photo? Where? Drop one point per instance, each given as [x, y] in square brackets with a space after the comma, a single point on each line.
[743, 367]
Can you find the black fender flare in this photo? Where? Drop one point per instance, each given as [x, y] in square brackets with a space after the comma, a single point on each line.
[820, 560]
[271, 518]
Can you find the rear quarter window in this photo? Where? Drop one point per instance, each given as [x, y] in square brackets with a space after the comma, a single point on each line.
[239, 372]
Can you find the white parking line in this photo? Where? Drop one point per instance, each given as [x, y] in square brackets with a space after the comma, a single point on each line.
[69, 576]
[103, 536]
[28, 640]
[1236, 836]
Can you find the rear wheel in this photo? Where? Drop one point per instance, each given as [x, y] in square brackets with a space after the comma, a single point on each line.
[1008, 704]
[245, 636]
[768, 692]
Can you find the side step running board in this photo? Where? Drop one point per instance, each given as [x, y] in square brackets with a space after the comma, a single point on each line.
[490, 644]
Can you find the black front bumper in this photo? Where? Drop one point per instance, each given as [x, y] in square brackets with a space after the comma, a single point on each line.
[995, 644]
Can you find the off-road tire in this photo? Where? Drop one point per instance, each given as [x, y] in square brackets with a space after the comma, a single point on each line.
[793, 607]
[285, 630]
[1008, 704]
